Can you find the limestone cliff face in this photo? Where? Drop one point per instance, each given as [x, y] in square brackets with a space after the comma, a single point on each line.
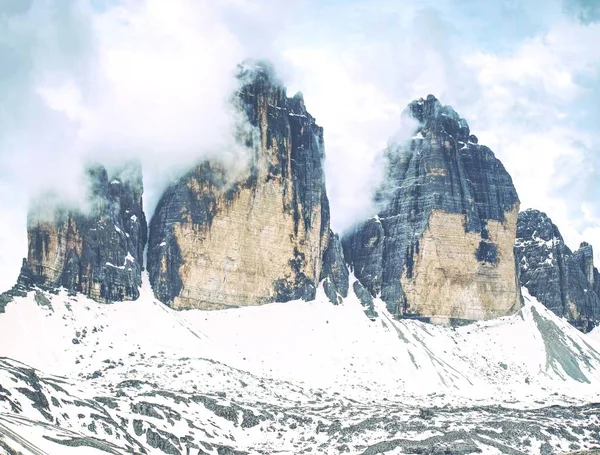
[216, 243]
[441, 246]
[97, 252]
[566, 282]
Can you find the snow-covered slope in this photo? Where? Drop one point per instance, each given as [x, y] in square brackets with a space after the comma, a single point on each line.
[286, 378]
[595, 334]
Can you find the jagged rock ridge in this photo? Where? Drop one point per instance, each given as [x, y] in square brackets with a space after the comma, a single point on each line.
[564, 281]
[441, 246]
[334, 272]
[216, 243]
[97, 251]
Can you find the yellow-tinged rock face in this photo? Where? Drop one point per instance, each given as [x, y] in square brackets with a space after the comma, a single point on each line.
[217, 244]
[47, 246]
[247, 248]
[449, 283]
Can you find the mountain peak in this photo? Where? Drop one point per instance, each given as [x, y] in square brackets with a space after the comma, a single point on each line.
[260, 72]
[275, 212]
[434, 116]
[442, 194]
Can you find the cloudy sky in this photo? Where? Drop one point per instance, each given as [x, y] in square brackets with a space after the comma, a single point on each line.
[147, 79]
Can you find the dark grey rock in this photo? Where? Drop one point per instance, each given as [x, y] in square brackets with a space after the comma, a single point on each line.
[138, 427]
[226, 412]
[108, 402]
[334, 273]
[225, 450]
[146, 409]
[163, 441]
[97, 251]
[441, 168]
[363, 251]
[370, 428]
[38, 400]
[43, 301]
[84, 442]
[249, 419]
[565, 282]
[365, 298]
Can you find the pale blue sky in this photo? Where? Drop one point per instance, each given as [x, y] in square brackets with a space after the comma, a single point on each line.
[107, 79]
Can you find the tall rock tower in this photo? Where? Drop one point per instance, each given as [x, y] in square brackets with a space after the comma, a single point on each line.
[97, 251]
[217, 243]
[441, 246]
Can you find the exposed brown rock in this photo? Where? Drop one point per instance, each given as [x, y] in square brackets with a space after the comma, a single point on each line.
[448, 282]
[217, 243]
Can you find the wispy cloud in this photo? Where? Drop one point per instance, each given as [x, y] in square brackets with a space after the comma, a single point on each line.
[538, 111]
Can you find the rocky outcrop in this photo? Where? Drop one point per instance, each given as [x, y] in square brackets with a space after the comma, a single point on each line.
[334, 272]
[365, 298]
[565, 282]
[97, 250]
[218, 240]
[441, 246]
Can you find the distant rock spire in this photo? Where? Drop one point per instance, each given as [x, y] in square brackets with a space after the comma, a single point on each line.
[562, 280]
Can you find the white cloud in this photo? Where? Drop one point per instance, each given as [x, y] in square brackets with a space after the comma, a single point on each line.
[529, 114]
[358, 118]
[149, 80]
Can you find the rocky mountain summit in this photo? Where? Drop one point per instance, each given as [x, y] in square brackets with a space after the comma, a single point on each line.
[564, 281]
[441, 246]
[218, 242]
[97, 251]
